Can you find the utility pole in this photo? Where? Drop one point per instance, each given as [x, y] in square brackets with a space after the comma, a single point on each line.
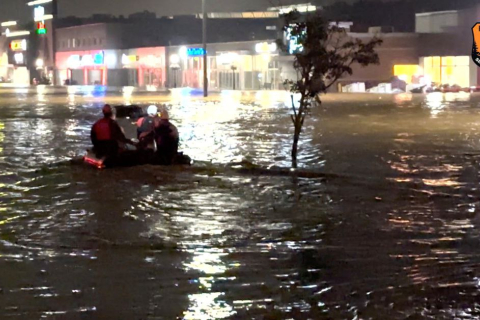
[204, 22]
[54, 43]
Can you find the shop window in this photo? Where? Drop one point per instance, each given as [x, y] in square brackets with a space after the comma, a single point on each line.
[94, 41]
[406, 72]
[84, 42]
[451, 70]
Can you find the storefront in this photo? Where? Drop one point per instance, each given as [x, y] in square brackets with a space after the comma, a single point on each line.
[450, 70]
[82, 68]
[17, 62]
[238, 66]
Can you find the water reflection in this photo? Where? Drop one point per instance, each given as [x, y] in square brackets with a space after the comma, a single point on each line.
[392, 233]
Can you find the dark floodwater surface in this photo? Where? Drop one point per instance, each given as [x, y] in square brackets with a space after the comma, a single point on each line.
[395, 235]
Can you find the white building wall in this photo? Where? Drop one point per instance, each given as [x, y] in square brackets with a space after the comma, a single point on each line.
[436, 22]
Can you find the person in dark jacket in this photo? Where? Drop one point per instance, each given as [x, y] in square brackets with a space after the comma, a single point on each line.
[145, 129]
[106, 135]
[166, 138]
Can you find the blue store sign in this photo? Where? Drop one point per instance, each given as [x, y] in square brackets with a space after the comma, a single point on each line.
[195, 52]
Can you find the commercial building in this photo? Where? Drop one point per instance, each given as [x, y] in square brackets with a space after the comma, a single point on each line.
[248, 65]
[134, 52]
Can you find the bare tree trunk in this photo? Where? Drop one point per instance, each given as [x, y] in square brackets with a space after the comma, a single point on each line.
[297, 118]
[296, 137]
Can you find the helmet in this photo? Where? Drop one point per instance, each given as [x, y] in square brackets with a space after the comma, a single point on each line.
[164, 114]
[152, 110]
[107, 110]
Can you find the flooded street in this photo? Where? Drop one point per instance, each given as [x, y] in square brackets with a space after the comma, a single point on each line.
[392, 232]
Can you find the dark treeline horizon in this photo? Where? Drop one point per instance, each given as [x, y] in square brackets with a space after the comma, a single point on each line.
[399, 14]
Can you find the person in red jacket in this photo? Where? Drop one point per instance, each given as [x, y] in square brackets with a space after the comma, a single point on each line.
[106, 135]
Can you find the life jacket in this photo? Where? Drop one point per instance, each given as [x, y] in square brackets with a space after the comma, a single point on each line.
[103, 129]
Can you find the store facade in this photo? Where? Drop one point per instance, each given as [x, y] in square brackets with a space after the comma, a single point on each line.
[145, 67]
[231, 66]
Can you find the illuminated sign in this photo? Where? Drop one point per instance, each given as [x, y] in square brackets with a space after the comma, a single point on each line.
[19, 58]
[73, 61]
[195, 52]
[227, 58]
[265, 47]
[129, 59]
[18, 45]
[151, 60]
[38, 13]
[98, 58]
[91, 60]
[41, 28]
[293, 42]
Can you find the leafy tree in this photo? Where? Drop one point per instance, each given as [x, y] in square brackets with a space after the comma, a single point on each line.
[325, 54]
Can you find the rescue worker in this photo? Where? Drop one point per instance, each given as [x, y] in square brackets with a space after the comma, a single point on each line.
[106, 135]
[166, 138]
[145, 128]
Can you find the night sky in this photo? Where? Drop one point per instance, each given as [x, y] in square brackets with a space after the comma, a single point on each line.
[17, 10]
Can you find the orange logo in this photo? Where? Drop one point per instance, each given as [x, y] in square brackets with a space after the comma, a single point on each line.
[476, 44]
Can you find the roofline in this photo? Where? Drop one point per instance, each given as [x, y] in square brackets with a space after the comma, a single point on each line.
[424, 14]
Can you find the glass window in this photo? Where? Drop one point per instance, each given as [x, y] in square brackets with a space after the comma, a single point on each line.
[448, 61]
[462, 61]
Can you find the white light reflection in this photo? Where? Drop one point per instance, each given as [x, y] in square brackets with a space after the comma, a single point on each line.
[200, 123]
[41, 93]
[435, 103]
[207, 306]
[127, 92]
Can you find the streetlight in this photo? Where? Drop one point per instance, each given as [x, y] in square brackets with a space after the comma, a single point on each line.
[204, 23]
[234, 68]
[175, 66]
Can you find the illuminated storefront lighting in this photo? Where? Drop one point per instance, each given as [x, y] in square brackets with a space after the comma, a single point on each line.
[129, 59]
[39, 63]
[12, 34]
[19, 58]
[174, 59]
[38, 2]
[18, 45]
[8, 23]
[38, 13]
[265, 47]
[44, 17]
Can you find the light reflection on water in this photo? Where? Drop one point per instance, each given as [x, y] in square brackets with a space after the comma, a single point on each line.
[394, 235]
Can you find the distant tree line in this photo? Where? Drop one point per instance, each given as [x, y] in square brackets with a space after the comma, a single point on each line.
[399, 14]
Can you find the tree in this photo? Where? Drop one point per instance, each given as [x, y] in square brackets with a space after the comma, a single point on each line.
[325, 53]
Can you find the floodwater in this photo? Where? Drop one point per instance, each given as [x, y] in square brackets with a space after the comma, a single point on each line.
[392, 232]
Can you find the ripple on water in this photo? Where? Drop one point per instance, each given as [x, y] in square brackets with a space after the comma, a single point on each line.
[392, 235]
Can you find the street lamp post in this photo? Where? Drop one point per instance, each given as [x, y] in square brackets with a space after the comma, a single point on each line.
[175, 66]
[234, 68]
[175, 71]
[204, 22]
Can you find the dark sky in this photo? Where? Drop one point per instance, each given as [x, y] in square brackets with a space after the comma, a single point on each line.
[17, 9]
